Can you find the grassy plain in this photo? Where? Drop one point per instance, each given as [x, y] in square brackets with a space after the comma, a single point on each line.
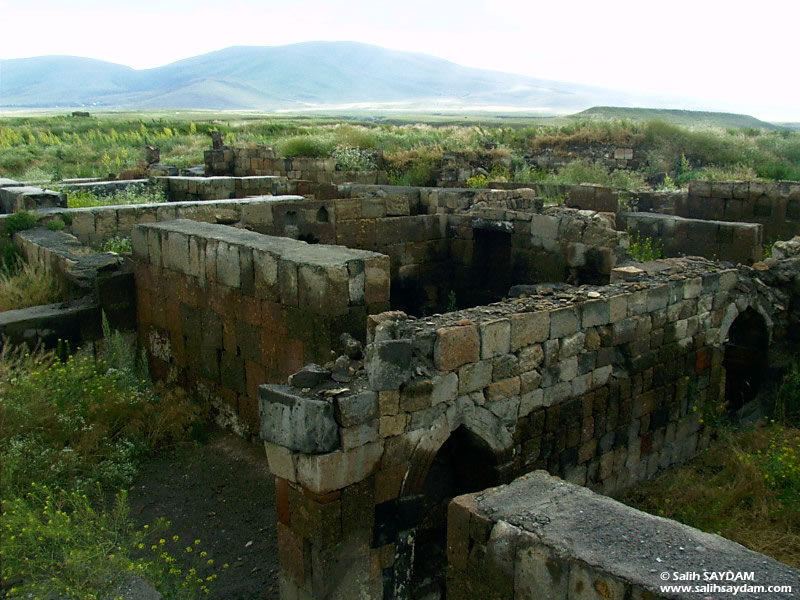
[53, 147]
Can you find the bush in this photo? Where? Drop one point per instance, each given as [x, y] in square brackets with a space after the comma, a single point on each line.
[306, 146]
[787, 406]
[73, 423]
[19, 221]
[478, 181]
[643, 248]
[56, 225]
[134, 194]
[349, 158]
[70, 431]
[56, 544]
[120, 245]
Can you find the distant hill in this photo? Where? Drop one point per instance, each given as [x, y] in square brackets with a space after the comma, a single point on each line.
[686, 118]
[294, 77]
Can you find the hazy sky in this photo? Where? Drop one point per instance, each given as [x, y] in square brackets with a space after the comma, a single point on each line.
[730, 54]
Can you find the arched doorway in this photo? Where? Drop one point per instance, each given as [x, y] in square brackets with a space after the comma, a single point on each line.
[745, 359]
[463, 464]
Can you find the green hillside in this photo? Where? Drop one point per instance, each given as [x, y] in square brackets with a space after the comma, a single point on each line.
[684, 118]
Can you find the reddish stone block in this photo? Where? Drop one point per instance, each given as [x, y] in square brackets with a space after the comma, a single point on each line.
[144, 307]
[255, 375]
[282, 500]
[249, 310]
[703, 360]
[456, 346]
[646, 446]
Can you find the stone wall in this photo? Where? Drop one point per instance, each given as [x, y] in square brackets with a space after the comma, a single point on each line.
[223, 310]
[604, 386]
[192, 189]
[261, 161]
[98, 224]
[540, 537]
[720, 240]
[776, 205]
[15, 198]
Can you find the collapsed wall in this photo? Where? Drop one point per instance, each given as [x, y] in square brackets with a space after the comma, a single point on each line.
[541, 537]
[603, 386]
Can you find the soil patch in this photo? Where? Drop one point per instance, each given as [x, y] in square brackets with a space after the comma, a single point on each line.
[222, 493]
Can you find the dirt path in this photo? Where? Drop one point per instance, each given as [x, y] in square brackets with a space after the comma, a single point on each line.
[220, 492]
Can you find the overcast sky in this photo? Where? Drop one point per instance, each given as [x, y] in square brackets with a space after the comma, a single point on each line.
[729, 54]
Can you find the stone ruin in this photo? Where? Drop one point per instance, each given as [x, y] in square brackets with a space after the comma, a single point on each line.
[396, 348]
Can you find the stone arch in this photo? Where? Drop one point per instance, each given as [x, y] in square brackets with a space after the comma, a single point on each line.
[482, 424]
[745, 361]
[448, 464]
[322, 215]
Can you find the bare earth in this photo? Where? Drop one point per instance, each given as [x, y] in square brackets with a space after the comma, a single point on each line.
[220, 492]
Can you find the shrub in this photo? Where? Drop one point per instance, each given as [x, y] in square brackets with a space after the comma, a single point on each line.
[57, 544]
[478, 181]
[307, 146]
[25, 285]
[19, 221]
[643, 248]
[74, 423]
[349, 158]
[134, 194]
[120, 245]
[56, 225]
[70, 431]
[787, 407]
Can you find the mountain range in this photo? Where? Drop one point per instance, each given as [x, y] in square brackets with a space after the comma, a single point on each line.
[300, 76]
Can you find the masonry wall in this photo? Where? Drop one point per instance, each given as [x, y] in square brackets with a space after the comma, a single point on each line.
[719, 240]
[14, 198]
[261, 160]
[223, 310]
[776, 205]
[540, 537]
[603, 386]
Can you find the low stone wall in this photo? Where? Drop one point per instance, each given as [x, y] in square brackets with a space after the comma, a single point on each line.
[589, 196]
[540, 537]
[261, 161]
[63, 255]
[49, 325]
[96, 225]
[104, 188]
[24, 197]
[223, 310]
[719, 240]
[611, 157]
[776, 205]
[193, 189]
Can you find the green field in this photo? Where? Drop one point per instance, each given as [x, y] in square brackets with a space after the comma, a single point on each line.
[51, 147]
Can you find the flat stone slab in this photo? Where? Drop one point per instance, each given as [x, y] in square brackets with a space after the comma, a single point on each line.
[320, 255]
[580, 525]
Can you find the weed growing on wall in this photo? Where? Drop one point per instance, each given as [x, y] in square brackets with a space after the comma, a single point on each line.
[120, 245]
[477, 181]
[643, 248]
[134, 194]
